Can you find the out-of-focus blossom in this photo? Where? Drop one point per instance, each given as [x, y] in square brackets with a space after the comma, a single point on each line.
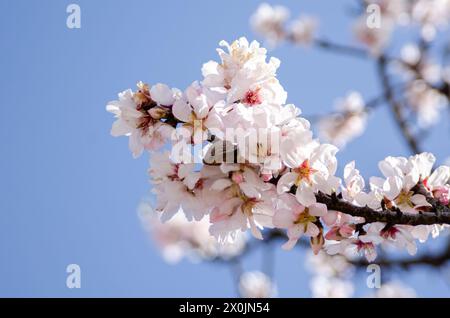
[268, 21]
[426, 102]
[432, 15]
[331, 287]
[394, 289]
[326, 265]
[256, 285]
[347, 123]
[397, 11]
[410, 54]
[375, 39]
[303, 29]
[180, 238]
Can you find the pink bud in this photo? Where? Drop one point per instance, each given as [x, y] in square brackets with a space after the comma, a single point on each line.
[346, 230]
[237, 177]
[442, 194]
[333, 234]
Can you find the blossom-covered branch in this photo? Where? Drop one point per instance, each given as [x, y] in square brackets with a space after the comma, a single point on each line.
[243, 159]
[388, 216]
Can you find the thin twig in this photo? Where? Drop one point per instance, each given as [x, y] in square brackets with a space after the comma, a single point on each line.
[396, 107]
[341, 48]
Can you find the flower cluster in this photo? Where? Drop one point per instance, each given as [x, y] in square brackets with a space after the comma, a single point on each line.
[259, 166]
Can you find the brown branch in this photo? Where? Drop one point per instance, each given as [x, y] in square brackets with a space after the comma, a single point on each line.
[340, 48]
[441, 216]
[396, 107]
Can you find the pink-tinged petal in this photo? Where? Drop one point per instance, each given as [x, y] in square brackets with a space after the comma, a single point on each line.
[249, 190]
[182, 111]
[406, 208]
[421, 232]
[290, 158]
[390, 166]
[333, 234]
[411, 247]
[305, 194]
[346, 230]
[286, 182]
[283, 218]
[230, 205]
[217, 216]
[370, 253]
[419, 200]
[169, 211]
[135, 145]
[349, 170]
[318, 209]
[392, 187]
[410, 181]
[290, 244]
[263, 217]
[226, 168]
[113, 108]
[162, 94]
[423, 163]
[221, 184]
[120, 128]
[255, 230]
[185, 170]
[288, 200]
[191, 180]
[296, 231]
[439, 177]
[251, 177]
[312, 229]
[330, 218]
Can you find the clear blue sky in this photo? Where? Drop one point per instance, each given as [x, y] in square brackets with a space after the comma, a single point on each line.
[69, 191]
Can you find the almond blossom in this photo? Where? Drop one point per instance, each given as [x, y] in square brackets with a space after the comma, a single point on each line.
[198, 108]
[247, 202]
[312, 169]
[268, 21]
[347, 123]
[298, 219]
[303, 29]
[138, 117]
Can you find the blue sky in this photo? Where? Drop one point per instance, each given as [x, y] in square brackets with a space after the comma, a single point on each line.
[70, 191]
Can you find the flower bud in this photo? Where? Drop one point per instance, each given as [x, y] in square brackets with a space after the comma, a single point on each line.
[317, 242]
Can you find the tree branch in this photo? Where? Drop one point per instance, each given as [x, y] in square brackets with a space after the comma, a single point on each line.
[340, 48]
[441, 216]
[396, 107]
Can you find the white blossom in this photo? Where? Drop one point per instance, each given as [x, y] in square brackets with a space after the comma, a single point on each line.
[347, 123]
[256, 285]
[268, 21]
